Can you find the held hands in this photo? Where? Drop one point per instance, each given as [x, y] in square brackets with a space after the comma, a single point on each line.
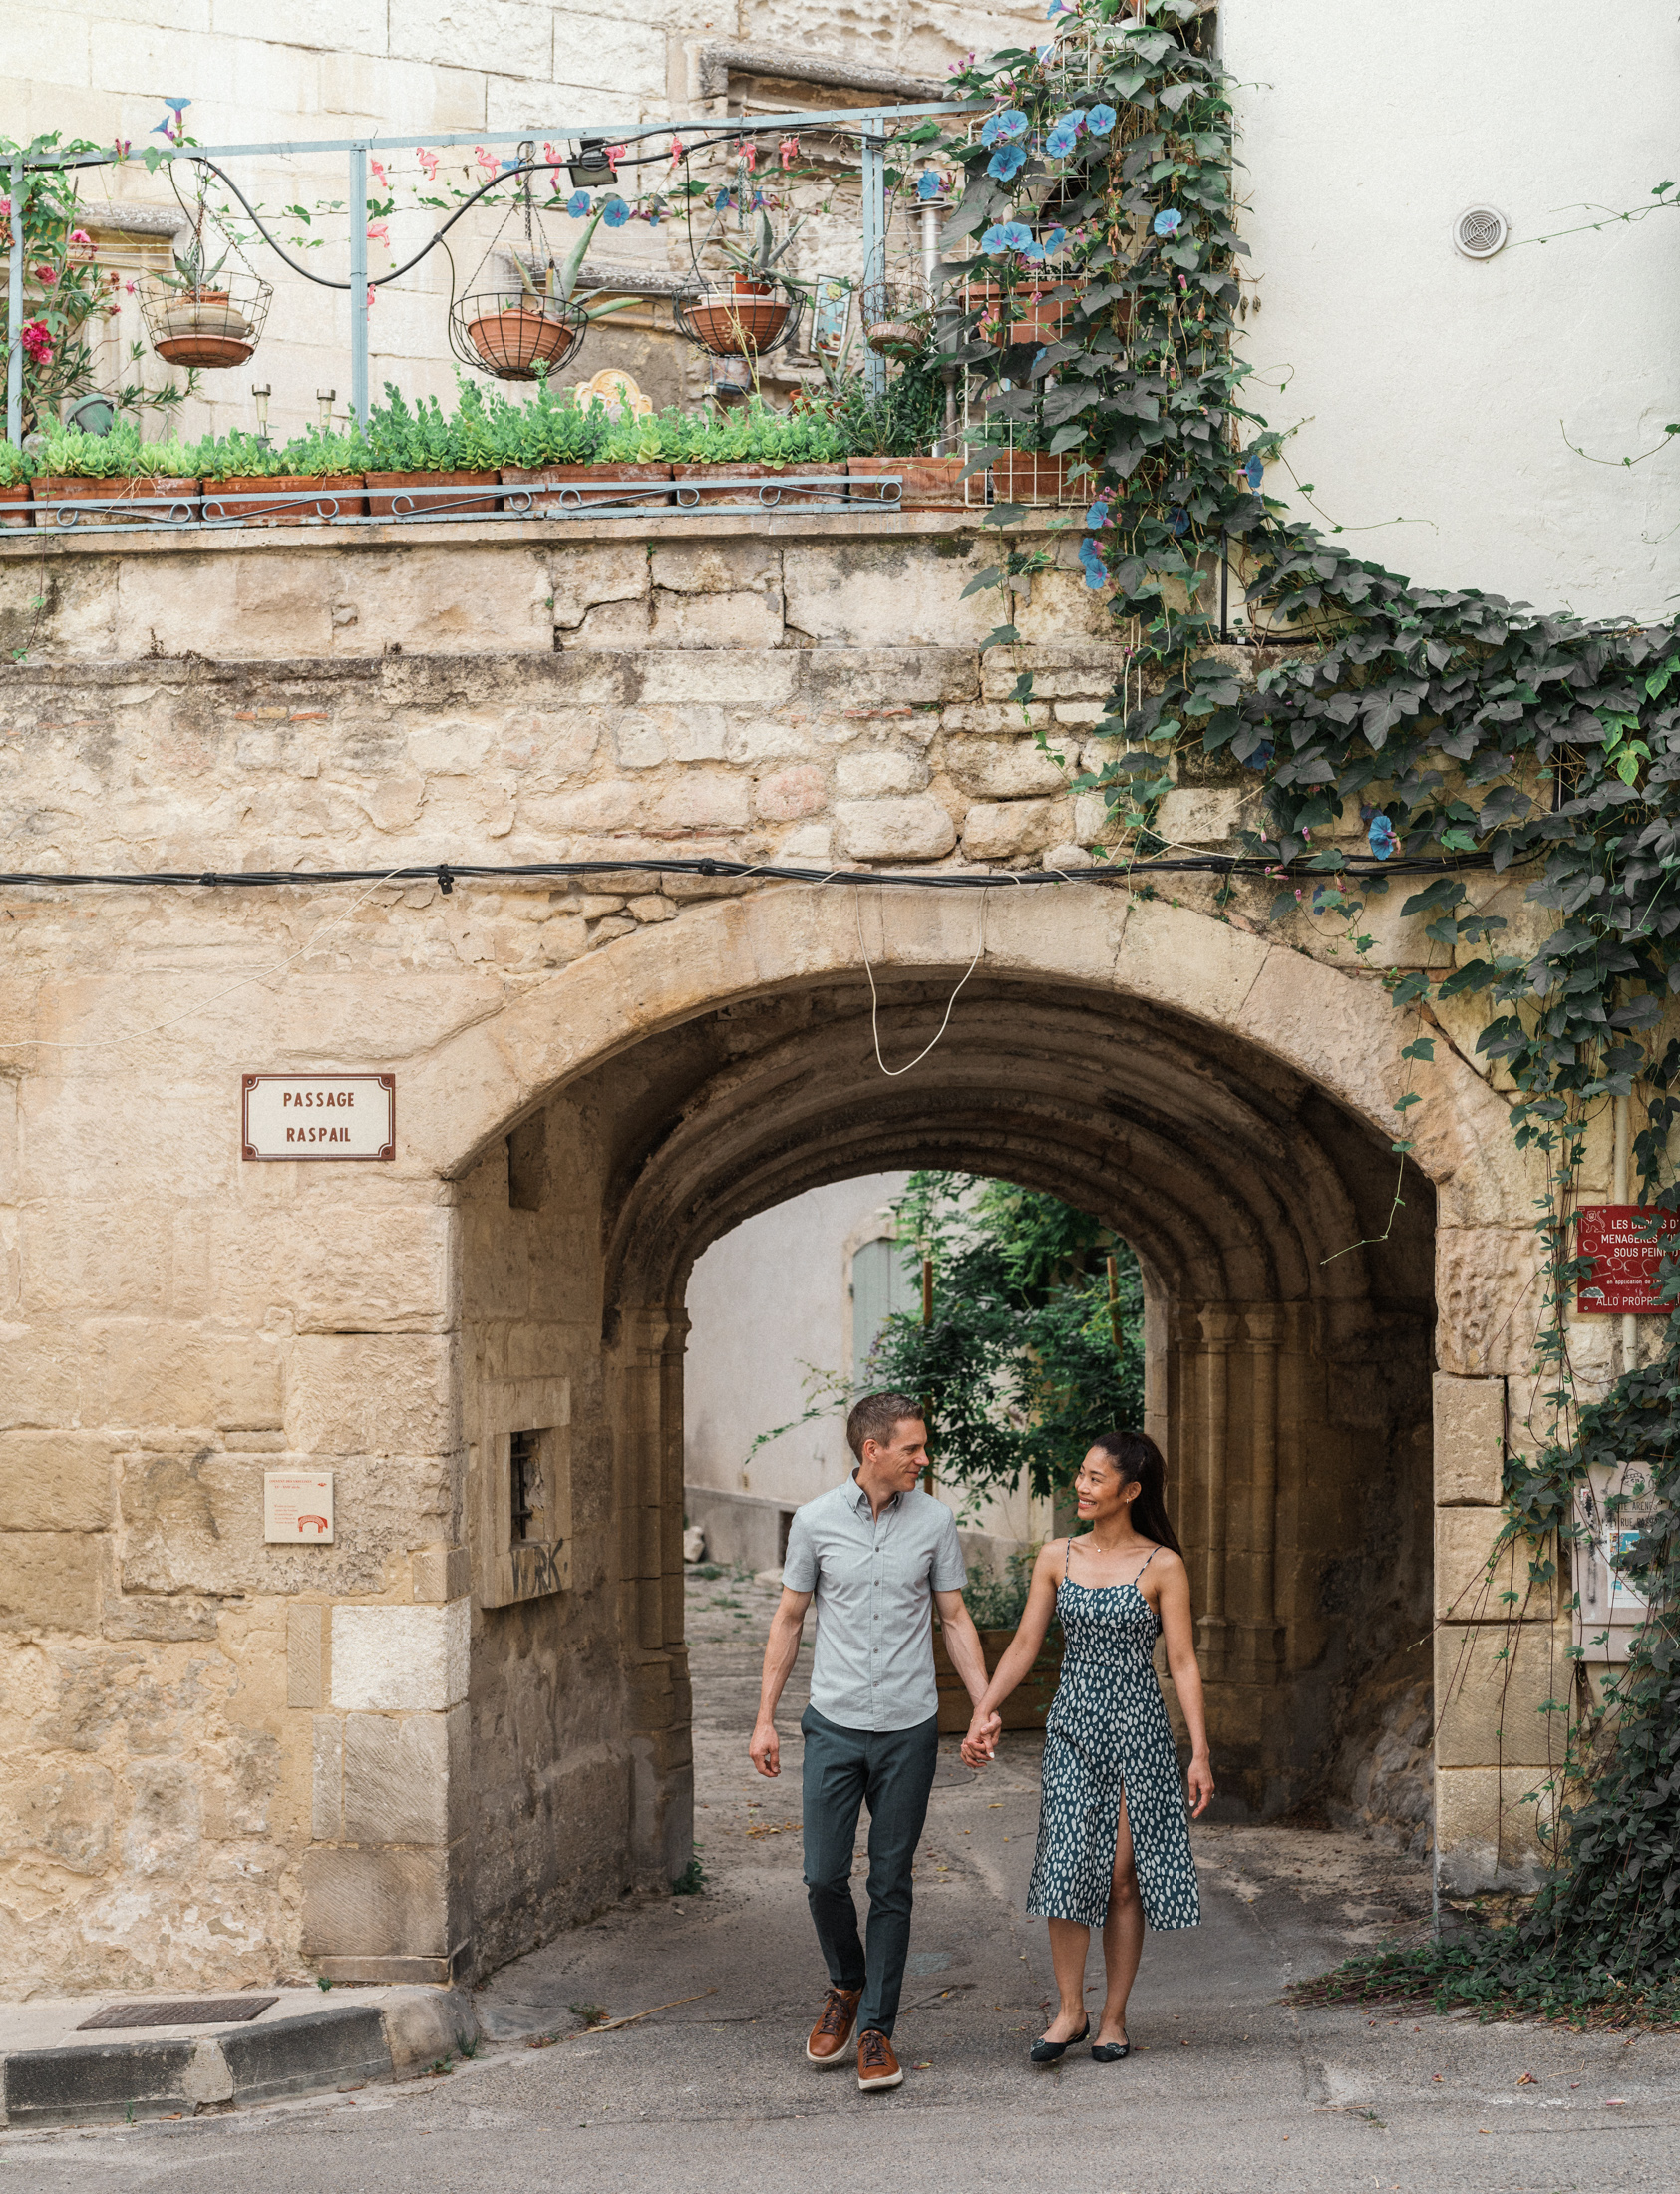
[1202, 1784]
[980, 1744]
[765, 1751]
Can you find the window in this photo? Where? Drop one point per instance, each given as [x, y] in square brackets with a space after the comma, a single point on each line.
[525, 1484]
[880, 1290]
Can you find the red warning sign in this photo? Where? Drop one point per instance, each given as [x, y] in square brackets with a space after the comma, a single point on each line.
[1626, 1243]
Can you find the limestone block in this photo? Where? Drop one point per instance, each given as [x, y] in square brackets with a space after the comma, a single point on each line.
[721, 677]
[553, 745]
[637, 741]
[1485, 1838]
[583, 576]
[460, 599]
[611, 806]
[424, 2025]
[859, 593]
[226, 608]
[716, 621]
[55, 1481]
[69, 1816]
[701, 800]
[92, 1259]
[1468, 1439]
[405, 1902]
[49, 1580]
[604, 53]
[1003, 769]
[8, 1142]
[1492, 1687]
[1466, 1590]
[849, 681]
[1189, 961]
[751, 738]
[406, 1777]
[370, 1394]
[41, 1384]
[652, 906]
[748, 565]
[399, 1658]
[872, 773]
[368, 1271]
[996, 830]
[1487, 1299]
[786, 794]
[155, 1374]
[305, 1654]
[615, 626]
[816, 843]
[326, 1778]
[1202, 814]
[895, 830]
[441, 1572]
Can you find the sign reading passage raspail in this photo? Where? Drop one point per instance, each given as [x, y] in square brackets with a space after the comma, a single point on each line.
[297, 1507]
[319, 1116]
[1626, 1243]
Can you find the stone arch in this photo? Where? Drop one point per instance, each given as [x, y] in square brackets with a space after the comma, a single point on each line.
[1225, 1101]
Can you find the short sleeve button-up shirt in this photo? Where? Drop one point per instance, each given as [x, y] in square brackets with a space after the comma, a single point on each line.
[873, 1579]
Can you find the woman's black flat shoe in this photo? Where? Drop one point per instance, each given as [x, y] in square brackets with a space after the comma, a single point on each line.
[1110, 2053]
[1048, 2052]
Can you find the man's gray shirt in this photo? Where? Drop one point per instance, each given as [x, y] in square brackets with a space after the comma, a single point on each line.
[875, 1579]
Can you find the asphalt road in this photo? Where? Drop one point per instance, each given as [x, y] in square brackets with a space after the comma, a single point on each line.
[1228, 2090]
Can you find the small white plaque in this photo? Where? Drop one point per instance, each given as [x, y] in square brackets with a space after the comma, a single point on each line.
[311, 1116]
[297, 1507]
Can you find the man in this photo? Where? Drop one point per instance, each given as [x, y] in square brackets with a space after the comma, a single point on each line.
[874, 1552]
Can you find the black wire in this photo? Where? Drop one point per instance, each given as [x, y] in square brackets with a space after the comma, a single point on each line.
[446, 872]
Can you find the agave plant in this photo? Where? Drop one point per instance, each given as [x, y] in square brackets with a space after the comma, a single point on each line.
[191, 274]
[560, 279]
[757, 257]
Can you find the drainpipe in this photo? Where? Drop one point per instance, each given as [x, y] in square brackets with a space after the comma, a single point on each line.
[1619, 1194]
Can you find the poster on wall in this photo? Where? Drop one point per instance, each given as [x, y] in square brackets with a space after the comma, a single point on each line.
[1628, 1243]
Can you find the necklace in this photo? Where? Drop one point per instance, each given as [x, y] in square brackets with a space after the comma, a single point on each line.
[1091, 1539]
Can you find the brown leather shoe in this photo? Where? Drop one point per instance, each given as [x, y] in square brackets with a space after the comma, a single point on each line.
[831, 2033]
[876, 2065]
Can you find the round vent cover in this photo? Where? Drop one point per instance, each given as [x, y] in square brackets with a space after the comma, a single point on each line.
[1479, 231]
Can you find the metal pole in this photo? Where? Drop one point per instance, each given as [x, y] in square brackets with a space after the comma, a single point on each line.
[14, 312]
[1621, 1193]
[873, 149]
[359, 281]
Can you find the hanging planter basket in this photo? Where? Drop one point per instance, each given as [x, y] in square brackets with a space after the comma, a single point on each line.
[741, 317]
[207, 325]
[514, 335]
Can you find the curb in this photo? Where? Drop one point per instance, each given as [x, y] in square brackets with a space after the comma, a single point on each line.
[337, 2047]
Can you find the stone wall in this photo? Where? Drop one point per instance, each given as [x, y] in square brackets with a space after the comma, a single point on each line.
[405, 1753]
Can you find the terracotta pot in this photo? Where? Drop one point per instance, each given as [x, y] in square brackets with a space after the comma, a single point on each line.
[575, 487]
[14, 506]
[202, 328]
[335, 495]
[752, 483]
[516, 341]
[1028, 476]
[742, 324]
[930, 483]
[399, 505]
[74, 488]
[1026, 1708]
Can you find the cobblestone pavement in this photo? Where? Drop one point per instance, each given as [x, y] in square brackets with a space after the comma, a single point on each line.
[1228, 2090]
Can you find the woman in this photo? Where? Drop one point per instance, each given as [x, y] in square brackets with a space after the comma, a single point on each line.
[1113, 1845]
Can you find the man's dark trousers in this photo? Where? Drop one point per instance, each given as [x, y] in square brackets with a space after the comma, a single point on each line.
[891, 1770]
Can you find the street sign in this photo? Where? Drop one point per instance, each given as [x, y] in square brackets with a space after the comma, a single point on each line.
[1626, 1243]
[297, 1507]
[305, 1116]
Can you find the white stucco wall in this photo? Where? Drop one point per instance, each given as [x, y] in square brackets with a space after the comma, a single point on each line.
[1434, 388]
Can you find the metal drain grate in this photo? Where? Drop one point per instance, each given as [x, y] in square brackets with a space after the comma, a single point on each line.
[209, 2011]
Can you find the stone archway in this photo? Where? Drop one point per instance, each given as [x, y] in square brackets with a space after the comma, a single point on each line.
[1222, 1100]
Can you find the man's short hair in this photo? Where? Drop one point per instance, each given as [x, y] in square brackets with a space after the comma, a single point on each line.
[878, 1418]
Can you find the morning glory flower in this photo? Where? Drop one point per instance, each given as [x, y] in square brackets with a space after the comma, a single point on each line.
[1055, 8]
[1100, 120]
[578, 204]
[1380, 837]
[1006, 162]
[1054, 242]
[994, 238]
[615, 212]
[1255, 471]
[1169, 223]
[1260, 757]
[1017, 236]
[1180, 523]
[927, 187]
[1012, 123]
[1089, 555]
[721, 202]
[1064, 134]
[989, 133]
[1097, 515]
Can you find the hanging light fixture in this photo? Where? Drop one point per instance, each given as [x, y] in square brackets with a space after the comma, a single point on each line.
[589, 168]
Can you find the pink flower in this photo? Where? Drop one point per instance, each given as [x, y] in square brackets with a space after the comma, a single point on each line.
[427, 160]
[676, 151]
[380, 234]
[37, 342]
[46, 276]
[80, 235]
[130, 287]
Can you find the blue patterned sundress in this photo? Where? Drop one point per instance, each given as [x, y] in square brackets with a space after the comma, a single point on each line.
[1107, 1735]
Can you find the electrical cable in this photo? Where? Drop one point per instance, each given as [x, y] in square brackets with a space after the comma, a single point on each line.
[893, 1072]
[447, 873]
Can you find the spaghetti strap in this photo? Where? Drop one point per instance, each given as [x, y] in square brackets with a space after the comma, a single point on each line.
[1148, 1558]
[1067, 1555]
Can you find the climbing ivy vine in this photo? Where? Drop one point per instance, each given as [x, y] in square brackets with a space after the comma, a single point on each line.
[1104, 278]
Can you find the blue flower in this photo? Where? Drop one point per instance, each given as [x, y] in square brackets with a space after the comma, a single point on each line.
[578, 204]
[1064, 134]
[1255, 471]
[1017, 236]
[1169, 223]
[720, 202]
[1091, 555]
[1006, 162]
[1097, 515]
[1180, 523]
[1100, 120]
[989, 132]
[1012, 123]
[927, 185]
[1054, 242]
[1055, 8]
[1380, 837]
[1260, 756]
[615, 212]
[994, 240]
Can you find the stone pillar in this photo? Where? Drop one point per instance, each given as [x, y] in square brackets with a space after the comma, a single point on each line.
[1258, 1643]
[387, 1891]
[1218, 1329]
[1496, 1660]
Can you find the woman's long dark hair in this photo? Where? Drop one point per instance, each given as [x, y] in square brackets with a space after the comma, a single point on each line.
[1136, 1458]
